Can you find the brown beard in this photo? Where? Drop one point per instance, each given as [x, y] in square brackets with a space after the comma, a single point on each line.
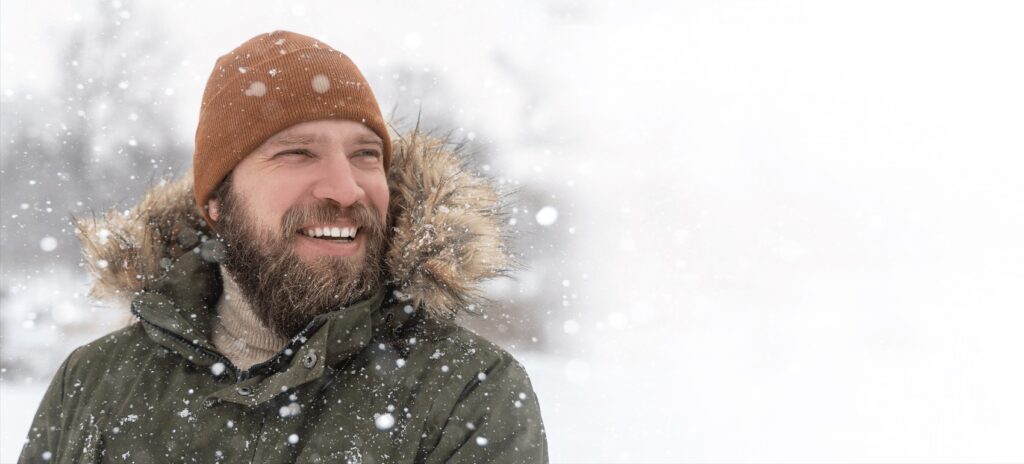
[285, 292]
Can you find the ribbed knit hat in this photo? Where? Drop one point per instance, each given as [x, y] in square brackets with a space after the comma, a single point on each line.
[269, 83]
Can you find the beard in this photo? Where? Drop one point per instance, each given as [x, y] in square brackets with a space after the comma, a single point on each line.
[284, 291]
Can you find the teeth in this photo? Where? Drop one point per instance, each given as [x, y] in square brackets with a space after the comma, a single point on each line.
[349, 232]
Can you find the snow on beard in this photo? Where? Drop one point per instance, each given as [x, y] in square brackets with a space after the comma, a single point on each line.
[285, 292]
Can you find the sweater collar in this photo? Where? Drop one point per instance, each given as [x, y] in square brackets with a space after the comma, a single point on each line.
[237, 330]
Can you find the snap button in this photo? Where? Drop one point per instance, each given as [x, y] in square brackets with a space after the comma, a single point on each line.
[309, 360]
[213, 251]
[245, 391]
[188, 238]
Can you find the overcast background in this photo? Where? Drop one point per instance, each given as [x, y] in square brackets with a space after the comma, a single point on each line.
[758, 231]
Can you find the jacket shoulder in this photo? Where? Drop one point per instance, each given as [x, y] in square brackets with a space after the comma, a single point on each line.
[126, 346]
[453, 339]
[484, 399]
[472, 370]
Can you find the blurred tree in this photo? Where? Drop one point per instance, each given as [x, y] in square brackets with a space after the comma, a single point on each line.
[99, 138]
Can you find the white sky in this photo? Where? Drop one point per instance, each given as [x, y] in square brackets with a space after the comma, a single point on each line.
[804, 218]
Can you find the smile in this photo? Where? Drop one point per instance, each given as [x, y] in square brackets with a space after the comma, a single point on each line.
[331, 233]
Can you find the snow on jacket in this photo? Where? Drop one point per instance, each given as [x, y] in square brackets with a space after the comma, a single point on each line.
[388, 379]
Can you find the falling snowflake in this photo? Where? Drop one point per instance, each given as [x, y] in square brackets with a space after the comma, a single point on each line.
[48, 244]
[384, 421]
[547, 216]
[320, 83]
[256, 89]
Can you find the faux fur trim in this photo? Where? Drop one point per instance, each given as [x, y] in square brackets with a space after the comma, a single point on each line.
[447, 231]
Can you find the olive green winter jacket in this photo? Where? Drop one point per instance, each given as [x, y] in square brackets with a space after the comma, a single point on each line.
[388, 379]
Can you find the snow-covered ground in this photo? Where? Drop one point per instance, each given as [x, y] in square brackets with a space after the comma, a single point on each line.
[19, 402]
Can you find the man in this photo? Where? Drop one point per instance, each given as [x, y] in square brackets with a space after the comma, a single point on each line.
[302, 311]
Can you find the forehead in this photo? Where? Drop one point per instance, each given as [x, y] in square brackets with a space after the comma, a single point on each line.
[323, 132]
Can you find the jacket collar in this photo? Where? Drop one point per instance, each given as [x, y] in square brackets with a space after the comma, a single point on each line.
[178, 309]
[176, 314]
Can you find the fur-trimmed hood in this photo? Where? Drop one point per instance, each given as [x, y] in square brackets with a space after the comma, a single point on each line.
[447, 233]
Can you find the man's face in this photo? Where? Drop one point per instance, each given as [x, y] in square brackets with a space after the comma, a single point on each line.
[312, 163]
[288, 208]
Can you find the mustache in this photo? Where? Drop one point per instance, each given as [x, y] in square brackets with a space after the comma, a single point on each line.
[366, 217]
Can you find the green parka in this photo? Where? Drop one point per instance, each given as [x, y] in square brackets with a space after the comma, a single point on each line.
[388, 379]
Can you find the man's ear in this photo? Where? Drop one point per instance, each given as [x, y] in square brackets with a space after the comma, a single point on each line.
[213, 206]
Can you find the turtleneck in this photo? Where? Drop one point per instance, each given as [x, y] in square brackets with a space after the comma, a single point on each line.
[238, 333]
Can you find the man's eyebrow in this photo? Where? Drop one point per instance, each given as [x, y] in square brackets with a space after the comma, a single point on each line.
[307, 139]
[371, 141]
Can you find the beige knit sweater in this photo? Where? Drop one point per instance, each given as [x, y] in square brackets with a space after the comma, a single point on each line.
[238, 333]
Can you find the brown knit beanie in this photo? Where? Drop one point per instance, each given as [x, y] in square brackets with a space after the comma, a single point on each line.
[269, 83]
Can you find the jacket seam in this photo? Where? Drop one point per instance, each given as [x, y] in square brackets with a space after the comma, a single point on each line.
[58, 452]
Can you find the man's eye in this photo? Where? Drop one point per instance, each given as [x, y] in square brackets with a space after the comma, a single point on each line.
[294, 152]
[372, 153]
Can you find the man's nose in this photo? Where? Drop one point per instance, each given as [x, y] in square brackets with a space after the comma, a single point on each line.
[337, 182]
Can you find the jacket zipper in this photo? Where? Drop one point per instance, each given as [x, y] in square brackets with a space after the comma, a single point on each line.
[216, 356]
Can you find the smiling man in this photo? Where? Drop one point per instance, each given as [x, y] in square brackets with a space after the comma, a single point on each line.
[293, 300]
[317, 238]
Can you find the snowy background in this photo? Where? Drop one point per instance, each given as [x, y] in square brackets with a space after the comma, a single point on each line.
[759, 231]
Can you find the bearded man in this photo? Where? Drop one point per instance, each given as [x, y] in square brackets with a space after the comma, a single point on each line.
[293, 301]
